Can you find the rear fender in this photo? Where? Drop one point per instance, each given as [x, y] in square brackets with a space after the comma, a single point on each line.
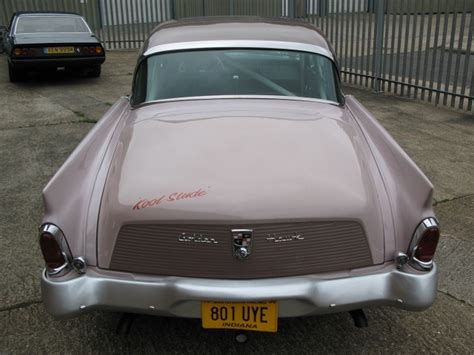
[69, 193]
[409, 190]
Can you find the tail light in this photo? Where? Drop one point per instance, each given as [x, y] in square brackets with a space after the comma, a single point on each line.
[55, 250]
[25, 52]
[423, 244]
[89, 50]
[52, 252]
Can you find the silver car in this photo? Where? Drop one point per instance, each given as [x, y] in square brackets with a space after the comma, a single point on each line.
[238, 184]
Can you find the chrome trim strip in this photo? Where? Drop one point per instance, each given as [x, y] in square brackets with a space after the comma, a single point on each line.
[426, 224]
[231, 97]
[297, 296]
[235, 44]
[58, 270]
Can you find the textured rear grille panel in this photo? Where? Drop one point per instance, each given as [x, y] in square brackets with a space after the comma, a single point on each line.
[155, 249]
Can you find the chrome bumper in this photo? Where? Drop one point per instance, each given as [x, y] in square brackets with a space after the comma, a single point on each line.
[181, 297]
[56, 62]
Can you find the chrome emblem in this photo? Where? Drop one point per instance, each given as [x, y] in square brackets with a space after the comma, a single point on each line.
[284, 238]
[241, 243]
[196, 238]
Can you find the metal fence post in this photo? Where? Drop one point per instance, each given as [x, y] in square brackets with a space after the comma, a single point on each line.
[173, 9]
[378, 49]
[291, 8]
[371, 5]
[231, 7]
[323, 7]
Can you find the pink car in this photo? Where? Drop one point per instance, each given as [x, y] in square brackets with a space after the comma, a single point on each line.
[238, 184]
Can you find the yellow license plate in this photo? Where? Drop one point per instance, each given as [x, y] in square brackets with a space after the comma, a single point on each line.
[255, 316]
[60, 50]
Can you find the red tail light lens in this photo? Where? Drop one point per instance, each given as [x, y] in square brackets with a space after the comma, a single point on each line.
[423, 244]
[92, 50]
[25, 52]
[427, 244]
[52, 253]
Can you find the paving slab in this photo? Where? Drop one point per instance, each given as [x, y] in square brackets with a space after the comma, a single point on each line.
[28, 157]
[440, 329]
[439, 140]
[46, 98]
[457, 217]
[456, 248]
[22, 107]
[456, 277]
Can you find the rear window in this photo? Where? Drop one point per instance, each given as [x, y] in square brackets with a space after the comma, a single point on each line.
[40, 24]
[235, 72]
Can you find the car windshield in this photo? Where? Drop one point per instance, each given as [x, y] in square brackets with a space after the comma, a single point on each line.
[235, 72]
[49, 23]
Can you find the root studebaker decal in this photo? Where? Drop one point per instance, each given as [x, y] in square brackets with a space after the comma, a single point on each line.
[172, 197]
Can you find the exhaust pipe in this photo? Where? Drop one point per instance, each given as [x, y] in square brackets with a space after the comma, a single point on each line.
[125, 324]
[359, 318]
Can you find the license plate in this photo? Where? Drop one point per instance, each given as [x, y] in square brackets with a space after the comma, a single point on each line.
[59, 50]
[255, 316]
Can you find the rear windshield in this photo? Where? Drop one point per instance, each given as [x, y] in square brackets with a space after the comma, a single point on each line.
[39, 24]
[235, 72]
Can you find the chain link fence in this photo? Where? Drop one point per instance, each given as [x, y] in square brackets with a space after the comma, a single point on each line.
[421, 49]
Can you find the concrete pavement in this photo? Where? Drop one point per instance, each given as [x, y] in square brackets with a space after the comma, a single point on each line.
[41, 121]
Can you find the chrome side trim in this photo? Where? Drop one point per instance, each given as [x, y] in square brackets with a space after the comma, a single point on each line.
[235, 44]
[235, 97]
[426, 224]
[181, 297]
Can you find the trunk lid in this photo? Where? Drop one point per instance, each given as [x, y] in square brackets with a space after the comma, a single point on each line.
[240, 163]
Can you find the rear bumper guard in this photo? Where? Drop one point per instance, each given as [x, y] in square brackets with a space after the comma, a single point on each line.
[34, 63]
[181, 297]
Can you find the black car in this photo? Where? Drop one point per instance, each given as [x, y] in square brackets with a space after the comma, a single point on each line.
[54, 40]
